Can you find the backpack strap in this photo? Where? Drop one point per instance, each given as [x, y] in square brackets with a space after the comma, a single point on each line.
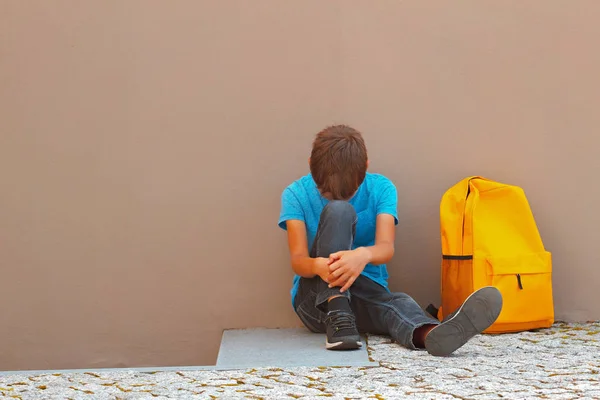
[433, 311]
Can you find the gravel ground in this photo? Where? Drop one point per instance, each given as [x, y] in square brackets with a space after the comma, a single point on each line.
[558, 363]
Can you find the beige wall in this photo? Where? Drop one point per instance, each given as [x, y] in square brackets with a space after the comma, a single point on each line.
[129, 131]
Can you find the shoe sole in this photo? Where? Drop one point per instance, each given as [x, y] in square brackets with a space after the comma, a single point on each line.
[343, 345]
[478, 312]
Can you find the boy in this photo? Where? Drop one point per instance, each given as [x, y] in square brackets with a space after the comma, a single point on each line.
[346, 216]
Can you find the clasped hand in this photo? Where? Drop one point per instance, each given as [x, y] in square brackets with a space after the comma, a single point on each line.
[345, 266]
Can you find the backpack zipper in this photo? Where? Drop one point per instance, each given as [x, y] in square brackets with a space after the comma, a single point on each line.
[519, 281]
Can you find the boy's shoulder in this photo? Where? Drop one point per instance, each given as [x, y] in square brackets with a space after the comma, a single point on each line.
[296, 198]
[377, 184]
[304, 184]
[305, 180]
[378, 179]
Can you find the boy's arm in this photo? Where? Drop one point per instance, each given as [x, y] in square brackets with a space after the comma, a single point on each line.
[346, 266]
[387, 218]
[383, 249]
[302, 264]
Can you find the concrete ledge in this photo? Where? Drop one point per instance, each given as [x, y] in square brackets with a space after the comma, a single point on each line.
[294, 347]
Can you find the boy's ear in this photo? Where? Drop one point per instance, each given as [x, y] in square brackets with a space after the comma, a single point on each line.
[367, 163]
[309, 161]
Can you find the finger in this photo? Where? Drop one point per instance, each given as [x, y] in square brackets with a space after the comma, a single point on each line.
[334, 257]
[336, 282]
[336, 265]
[338, 270]
[349, 283]
[339, 281]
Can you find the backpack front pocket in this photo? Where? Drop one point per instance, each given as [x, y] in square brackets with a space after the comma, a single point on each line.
[525, 282]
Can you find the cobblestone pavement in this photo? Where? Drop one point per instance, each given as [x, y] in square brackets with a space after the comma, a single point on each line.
[558, 363]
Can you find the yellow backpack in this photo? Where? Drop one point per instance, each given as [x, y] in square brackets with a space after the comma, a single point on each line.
[490, 238]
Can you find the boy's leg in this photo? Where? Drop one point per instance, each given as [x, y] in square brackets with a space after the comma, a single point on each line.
[337, 227]
[398, 315]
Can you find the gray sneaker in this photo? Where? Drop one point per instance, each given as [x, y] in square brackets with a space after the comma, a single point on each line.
[479, 311]
[342, 333]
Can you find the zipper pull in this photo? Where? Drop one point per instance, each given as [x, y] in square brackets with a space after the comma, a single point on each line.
[519, 281]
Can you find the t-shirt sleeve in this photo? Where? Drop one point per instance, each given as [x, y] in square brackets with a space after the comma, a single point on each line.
[388, 200]
[290, 208]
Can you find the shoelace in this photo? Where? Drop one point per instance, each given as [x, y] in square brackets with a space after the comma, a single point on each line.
[341, 320]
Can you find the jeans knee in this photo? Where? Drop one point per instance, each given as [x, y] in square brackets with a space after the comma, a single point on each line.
[405, 300]
[400, 296]
[339, 209]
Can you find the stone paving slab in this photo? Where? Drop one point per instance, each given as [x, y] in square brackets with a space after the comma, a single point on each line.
[284, 348]
[558, 363]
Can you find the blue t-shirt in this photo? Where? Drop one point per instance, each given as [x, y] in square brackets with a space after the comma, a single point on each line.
[301, 200]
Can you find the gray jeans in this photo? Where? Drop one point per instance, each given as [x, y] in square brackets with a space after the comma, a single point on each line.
[377, 310]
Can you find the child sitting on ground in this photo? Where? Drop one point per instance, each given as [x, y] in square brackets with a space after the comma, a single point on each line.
[347, 216]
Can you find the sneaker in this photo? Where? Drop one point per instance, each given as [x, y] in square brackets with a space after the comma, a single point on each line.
[342, 333]
[479, 311]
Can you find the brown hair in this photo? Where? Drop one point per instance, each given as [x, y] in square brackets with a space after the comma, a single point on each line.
[338, 161]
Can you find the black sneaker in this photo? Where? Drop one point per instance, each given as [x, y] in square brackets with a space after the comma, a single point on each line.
[479, 311]
[342, 333]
